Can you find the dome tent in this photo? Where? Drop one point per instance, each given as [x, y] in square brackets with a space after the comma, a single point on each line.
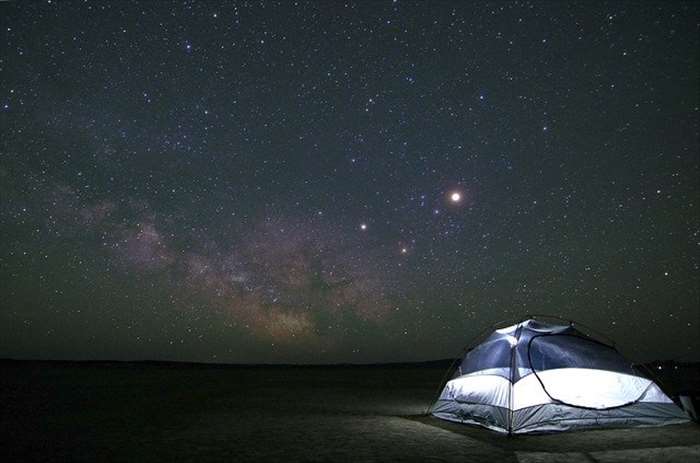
[540, 377]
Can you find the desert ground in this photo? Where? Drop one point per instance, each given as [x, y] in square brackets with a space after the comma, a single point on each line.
[100, 411]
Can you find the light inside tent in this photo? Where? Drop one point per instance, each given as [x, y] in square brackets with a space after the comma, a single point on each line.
[580, 387]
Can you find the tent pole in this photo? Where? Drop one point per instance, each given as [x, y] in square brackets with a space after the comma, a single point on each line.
[518, 330]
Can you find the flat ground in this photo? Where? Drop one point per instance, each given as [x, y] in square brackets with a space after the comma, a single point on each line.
[151, 412]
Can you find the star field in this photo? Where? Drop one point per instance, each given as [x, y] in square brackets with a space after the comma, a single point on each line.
[329, 182]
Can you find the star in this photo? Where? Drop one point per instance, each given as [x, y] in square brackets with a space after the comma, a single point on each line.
[223, 172]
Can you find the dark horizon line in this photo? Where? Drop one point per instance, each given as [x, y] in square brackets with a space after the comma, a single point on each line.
[446, 362]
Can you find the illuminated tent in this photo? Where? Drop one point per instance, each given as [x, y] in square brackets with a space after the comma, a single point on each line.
[539, 377]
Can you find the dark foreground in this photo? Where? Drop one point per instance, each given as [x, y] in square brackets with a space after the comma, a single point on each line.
[179, 412]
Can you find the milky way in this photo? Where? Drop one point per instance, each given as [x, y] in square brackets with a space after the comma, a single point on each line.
[330, 182]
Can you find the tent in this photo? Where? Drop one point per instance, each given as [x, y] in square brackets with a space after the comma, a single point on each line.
[539, 377]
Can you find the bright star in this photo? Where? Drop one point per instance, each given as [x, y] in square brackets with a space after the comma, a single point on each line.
[363, 226]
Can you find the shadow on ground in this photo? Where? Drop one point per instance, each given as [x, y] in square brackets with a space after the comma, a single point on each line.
[580, 441]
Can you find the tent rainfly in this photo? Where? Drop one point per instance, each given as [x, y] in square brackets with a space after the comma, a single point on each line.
[539, 377]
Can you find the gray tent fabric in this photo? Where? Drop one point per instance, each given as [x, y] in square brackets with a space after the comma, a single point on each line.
[540, 377]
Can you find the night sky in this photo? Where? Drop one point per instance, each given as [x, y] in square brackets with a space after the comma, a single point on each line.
[345, 182]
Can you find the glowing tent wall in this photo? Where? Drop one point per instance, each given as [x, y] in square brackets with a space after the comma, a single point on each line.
[536, 377]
